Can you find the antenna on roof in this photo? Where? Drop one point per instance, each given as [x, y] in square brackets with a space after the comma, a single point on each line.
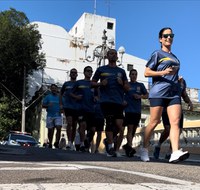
[108, 4]
[95, 6]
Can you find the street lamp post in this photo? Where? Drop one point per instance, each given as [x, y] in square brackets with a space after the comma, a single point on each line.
[100, 51]
[23, 103]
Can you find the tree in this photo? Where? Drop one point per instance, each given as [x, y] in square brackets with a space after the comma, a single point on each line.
[20, 47]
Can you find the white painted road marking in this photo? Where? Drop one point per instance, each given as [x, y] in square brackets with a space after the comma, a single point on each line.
[179, 184]
[96, 186]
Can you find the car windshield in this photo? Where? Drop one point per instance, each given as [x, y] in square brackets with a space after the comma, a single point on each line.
[22, 137]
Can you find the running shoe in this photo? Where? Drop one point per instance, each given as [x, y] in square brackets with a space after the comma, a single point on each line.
[105, 142]
[72, 147]
[56, 144]
[118, 154]
[111, 153]
[156, 152]
[68, 146]
[96, 152]
[178, 156]
[167, 156]
[144, 155]
[129, 150]
[82, 149]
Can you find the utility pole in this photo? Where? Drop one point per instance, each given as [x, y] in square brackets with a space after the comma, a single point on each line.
[23, 103]
[95, 7]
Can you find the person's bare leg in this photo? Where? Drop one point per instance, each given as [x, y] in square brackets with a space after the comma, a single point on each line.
[98, 139]
[69, 129]
[129, 135]
[155, 115]
[50, 135]
[164, 135]
[174, 114]
[82, 128]
[73, 134]
[119, 124]
[58, 133]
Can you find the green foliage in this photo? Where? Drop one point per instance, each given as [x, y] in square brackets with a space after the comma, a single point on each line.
[9, 115]
[20, 47]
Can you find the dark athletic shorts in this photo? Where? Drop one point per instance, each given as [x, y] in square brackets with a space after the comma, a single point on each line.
[116, 110]
[164, 102]
[99, 124]
[132, 119]
[71, 112]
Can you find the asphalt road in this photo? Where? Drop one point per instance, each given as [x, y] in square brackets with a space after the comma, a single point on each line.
[43, 168]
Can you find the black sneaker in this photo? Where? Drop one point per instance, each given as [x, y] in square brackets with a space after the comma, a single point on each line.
[129, 150]
[156, 152]
[82, 149]
[167, 156]
[111, 153]
[56, 145]
[87, 144]
[50, 146]
[105, 142]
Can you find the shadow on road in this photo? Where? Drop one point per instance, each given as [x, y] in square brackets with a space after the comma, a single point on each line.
[33, 154]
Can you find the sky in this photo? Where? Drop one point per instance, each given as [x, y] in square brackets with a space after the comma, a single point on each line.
[138, 23]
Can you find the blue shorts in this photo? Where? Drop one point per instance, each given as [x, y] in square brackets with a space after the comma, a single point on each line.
[54, 122]
[164, 102]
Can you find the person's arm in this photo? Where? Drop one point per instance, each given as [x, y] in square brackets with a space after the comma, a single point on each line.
[151, 73]
[96, 84]
[187, 100]
[145, 96]
[60, 100]
[73, 92]
[126, 86]
[45, 103]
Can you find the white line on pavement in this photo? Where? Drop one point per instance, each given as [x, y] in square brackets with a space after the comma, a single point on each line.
[64, 166]
[96, 186]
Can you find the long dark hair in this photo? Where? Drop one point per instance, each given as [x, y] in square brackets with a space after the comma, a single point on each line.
[162, 30]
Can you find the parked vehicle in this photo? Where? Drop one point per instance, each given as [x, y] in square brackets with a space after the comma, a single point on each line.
[20, 139]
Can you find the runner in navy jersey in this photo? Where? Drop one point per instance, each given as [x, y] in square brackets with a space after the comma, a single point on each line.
[113, 82]
[163, 67]
[84, 94]
[133, 108]
[70, 107]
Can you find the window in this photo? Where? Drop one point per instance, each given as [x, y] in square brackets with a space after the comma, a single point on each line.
[76, 30]
[110, 25]
[129, 67]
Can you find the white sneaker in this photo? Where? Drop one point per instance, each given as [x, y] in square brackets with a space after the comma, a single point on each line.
[72, 147]
[144, 155]
[118, 154]
[178, 155]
